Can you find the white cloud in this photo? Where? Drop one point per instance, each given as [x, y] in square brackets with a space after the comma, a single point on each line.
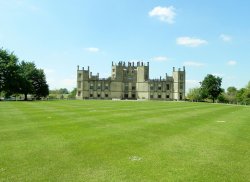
[231, 63]
[190, 41]
[160, 59]
[225, 38]
[166, 14]
[194, 64]
[92, 49]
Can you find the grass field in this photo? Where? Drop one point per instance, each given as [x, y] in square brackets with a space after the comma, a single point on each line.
[124, 141]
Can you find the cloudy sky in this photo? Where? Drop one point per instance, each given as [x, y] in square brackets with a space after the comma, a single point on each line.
[208, 37]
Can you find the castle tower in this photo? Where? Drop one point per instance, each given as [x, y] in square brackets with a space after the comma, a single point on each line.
[142, 85]
[142, 72]
[179, 84]
[82, 82]
[117, 71]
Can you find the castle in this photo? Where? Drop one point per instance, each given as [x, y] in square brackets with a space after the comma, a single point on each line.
[130, 81]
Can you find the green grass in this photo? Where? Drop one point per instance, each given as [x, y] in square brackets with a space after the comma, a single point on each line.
[124, 141]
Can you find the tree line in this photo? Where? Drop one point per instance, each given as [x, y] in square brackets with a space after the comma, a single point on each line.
[210, 89]
[23, 77]
[62, 93]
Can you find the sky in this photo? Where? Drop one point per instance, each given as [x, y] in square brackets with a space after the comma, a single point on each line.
[207, 37]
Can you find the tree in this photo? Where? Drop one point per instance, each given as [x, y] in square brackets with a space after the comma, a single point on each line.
[194, 94]
[72, 94]
[243, 95]
[27, 70]
[23, 78]
[211, 87]
[9, 77]
[40, 86]
[63, 91]
[231, 95]
[240, 95]
[222, 98]
[33, 81]
[246, 94]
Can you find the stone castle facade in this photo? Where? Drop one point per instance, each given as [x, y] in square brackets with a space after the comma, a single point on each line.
[130, 81]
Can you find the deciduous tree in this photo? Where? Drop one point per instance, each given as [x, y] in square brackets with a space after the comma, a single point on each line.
[194, 94]
[211, 87]
[9, 77]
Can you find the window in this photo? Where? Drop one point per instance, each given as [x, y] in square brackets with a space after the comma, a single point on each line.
[113, 70]
[79, 94]
[168, 87]
[181, 77]
[133, 96]
[99, 95]
[181, 85]
[159, 96]
[151, 96]
[133, 87]
[151, 87]
[159, 87]
[125, 96]
[167, 96]
[90, 95]
[99, 86]
[106, 95]
[79, 75]
[126, 87]
[91, 86]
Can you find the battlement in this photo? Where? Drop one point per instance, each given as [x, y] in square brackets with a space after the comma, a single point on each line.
[130, 64]
[179, 69]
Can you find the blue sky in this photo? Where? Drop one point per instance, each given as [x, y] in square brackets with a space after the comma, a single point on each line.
[208, 37]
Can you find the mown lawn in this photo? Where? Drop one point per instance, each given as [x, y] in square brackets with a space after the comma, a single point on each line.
[124, 141]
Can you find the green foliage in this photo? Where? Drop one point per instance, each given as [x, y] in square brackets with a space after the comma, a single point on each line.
[41, 88]
[194, 94]
[123, 141]
[243, 95]
[23, 78]
[211, 87]
[72, 94]
[9, 77]
[231, 95]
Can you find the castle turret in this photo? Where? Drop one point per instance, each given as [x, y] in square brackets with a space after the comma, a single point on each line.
[142, 73]
[82, 81]
[179, 84]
